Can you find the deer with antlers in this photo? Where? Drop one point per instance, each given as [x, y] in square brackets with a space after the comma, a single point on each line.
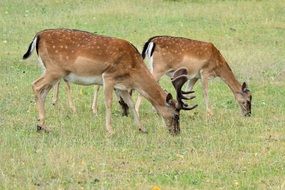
[79, 56]
[202, 61]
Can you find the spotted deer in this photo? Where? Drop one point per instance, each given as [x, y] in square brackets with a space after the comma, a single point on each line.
[79, 56]
[202, 61]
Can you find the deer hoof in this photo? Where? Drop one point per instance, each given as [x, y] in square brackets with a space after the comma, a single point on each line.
[110, 133]
[95, 111]
[43, 129]
[143, 130]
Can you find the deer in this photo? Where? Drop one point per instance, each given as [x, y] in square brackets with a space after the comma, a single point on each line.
[114, 63]
[202, 61]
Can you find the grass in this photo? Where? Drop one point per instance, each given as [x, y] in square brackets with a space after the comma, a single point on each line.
[226, 152]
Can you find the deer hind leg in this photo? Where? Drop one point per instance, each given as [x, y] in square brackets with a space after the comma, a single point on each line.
[56, 92]
[41, 87]
[69, 96]
[138, 103]
[205, 83]
[191, 83]
[128, 100]
[95, 100]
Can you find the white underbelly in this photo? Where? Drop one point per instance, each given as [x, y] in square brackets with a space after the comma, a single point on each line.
[84, 80]
[120, 87]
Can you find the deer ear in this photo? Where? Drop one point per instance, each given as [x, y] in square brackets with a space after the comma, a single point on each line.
[244, 87]
[169, 98]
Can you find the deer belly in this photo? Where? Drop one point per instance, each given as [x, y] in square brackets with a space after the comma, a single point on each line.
[121, 87]
[84, 80]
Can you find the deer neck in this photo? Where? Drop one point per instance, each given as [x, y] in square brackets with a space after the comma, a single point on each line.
[228, 77]
[152, 91]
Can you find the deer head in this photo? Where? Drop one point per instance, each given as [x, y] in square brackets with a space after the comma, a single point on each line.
[244, 99]
[178, 80]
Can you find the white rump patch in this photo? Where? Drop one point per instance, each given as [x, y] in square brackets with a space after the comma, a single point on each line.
[41, 64]
[84, 80]
[149, 49]
[34, 44]
[148, 55]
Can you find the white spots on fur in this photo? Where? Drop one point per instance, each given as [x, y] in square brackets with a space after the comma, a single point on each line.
[53, 46]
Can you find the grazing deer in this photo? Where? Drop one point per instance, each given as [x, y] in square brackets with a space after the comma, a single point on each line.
[94, 107]
[202, 61]
[85, 58]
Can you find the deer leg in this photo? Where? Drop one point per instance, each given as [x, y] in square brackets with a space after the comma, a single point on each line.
[108, 86]
[205, 80]
[68, 92]
[124, 106]
[191, 83]
[41, 87]
[55, 95]
[95, 99]
[138, 103]
[127, 99]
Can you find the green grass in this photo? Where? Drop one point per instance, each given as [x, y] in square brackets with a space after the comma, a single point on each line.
[226, 152]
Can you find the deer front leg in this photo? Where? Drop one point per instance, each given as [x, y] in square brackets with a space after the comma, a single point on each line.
[69, 97]
[95, 99]
[56, 92]
[108, 85]
[205, 80]
[127, 99]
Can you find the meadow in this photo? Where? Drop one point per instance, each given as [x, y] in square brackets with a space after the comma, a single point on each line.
[226, 151]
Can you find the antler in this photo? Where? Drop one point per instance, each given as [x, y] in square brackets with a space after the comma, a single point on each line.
[178, 80]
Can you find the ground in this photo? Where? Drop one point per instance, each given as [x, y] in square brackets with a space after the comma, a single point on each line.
[227, 151]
